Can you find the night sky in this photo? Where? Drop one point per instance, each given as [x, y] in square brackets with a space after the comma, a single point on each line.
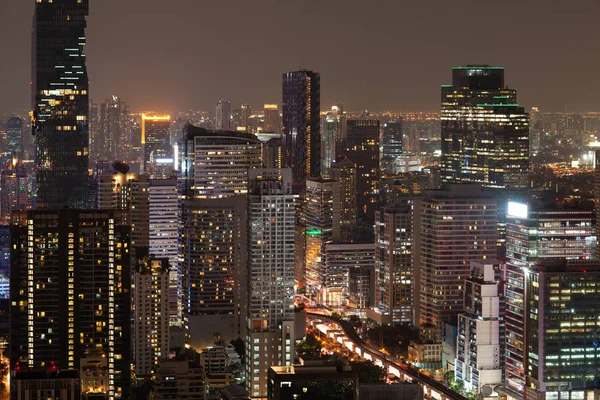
[378, 54]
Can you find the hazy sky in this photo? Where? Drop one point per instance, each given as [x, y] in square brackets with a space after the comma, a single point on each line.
[376, 54]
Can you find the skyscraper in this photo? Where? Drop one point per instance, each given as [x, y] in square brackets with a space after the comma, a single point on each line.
[158, 151]
[391, 144]
[70, 287]
[534, 232]
[333, 131]
[223, 115]
[344, 172]
[272, 118]
[213, 240]
[361, 146]
[246, 112]
[14, 136]
[485, 134]
[458, 224]
[60, 103]
[270, 319]
[301, 124]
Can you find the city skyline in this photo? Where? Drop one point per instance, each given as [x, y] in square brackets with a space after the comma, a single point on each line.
[400, 73]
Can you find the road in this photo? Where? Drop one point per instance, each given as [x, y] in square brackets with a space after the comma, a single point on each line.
[406, 369]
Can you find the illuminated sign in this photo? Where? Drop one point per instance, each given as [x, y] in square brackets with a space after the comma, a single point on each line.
[518, 210]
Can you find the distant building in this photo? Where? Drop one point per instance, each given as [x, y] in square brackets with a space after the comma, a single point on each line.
[158, 152]
[485, 134]
[223, 116]
[333, 131]
[391, 142]
[272, 118]
[14, 137]
[301, 124]
[215, 363]
[345, 204]
[246, 113]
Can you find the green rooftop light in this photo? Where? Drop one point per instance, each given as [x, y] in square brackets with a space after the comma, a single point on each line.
[497, 105]
[314, 232]
[502, 97]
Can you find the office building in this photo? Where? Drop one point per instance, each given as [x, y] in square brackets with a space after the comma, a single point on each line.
[344, 172]
[349, 274]
[458, 224]
[213, 240]
[333, 131]
[60, 103]
[114, 129]
[485, 134]
[70, 291]
[479, 349]
[361, 146]
[156, 145]
[561, 325]
[391, 144]
[318, 213]
[313, 380]
[215, 163]
[223, 116]
[272, 119]
[270, 320]
[14, 137]
[150, 315]
[535, 231]
[396, 246]
[301, 124]
[57, 385]
[179, 380]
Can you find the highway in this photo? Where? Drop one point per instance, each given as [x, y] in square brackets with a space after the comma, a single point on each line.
[398, 368]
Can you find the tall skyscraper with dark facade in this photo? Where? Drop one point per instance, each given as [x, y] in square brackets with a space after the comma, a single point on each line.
[301, 124]
[485, 134]
[60, 103]
[14, 136]
[70, 291]
[361, 145]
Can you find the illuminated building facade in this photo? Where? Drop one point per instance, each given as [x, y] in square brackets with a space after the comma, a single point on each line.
[458, 224]
[395, 239]
[485, 134]
[150, 315]
[272, 155]
[216, 163]
[318, 214]
[156, 144]
[333, 130]
[246, 113]
[60, 103]
[111, 130]
[391, 143]
[213, 239]
[361, 146]
[70, 291]
[561, 326]
[301, 124]
[534, 232]
[479, 348]
[223, 116]
[272, 119]
[270, 319]
[14, 137]
[344, 172]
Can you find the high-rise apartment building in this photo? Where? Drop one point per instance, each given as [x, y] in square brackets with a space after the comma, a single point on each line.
[112, 130]
[70, 292]
[60, 103]
[272, 154]
[272, 217]
[396, 241]
[223, 115]
[344, 172]
[361, 146]
[158, 152]
[150, 315]
[485, 134]
[14, 137]
[479, 356]
[536, 231]
[179, 380]
[391, 143]
[458, 224]
[301, 124]
[213, 240]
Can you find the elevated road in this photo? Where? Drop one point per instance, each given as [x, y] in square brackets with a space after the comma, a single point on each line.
[351, 340]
